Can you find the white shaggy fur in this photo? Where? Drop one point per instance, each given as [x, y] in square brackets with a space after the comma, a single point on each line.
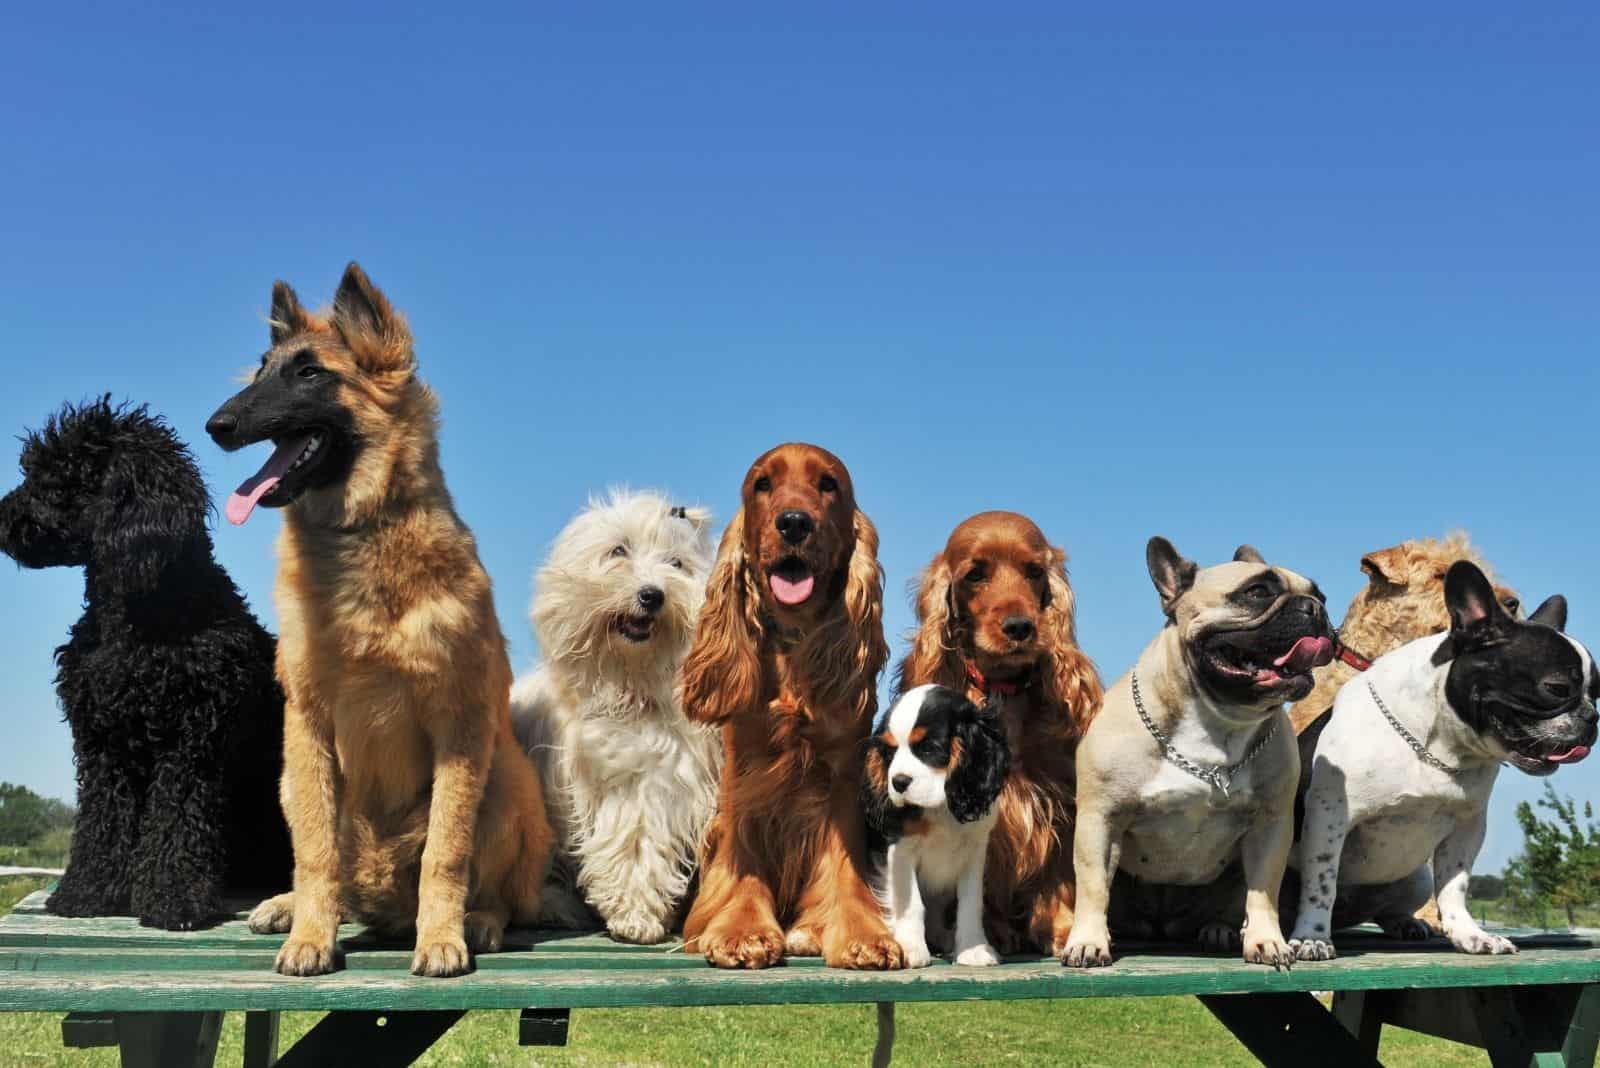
[631, 782]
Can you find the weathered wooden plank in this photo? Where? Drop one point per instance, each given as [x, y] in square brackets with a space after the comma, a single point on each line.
[507, 986]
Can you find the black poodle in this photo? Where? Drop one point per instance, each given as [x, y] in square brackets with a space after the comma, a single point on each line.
[167, 681]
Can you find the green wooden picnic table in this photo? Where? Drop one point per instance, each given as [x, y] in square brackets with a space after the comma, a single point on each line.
[160, 995]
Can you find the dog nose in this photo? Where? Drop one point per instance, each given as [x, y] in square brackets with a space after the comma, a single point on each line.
[1018, 628]
[222, 423]
[795, 526]
[900, 783]
[651, 598]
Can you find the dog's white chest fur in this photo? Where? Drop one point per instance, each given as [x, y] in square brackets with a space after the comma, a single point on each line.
[1185, 832]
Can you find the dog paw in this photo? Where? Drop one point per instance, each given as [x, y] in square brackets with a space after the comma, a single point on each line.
[802, 942]
[275, 915]
[754, 949]
[981, 955]
[299, 957]
[1409, 929]
[1270, 950]
[441, 958]
[916, 952]
[877, 954]
[1220, 938]
[637, 930]
[1477, 941]
[1087, 951]
[484, 932]
[1312, 949]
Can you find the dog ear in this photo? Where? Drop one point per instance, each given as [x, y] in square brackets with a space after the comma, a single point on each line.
[875, 789]
[722, 672]
[1172, 574]
[287, 318]
[981, 760]
[935, 654]
[1247, 554]
[1070, 674]
[1387, 565]
[863, 606]
[371, 329]
[1552, 613]
[151, 513]
[1476, 617]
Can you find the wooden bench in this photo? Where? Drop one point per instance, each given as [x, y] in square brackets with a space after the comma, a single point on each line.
[160, 996]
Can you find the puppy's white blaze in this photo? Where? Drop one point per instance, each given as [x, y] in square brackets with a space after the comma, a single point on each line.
[927, 784]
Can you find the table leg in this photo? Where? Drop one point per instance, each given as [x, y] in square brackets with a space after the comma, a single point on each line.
[370, 1039]
[1288, 1029]
[260, 1039]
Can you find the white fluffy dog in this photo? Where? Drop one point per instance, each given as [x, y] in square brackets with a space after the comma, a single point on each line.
[631, 782]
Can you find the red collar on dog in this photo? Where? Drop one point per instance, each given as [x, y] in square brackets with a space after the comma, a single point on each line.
[1349, 656]
[1004, 687]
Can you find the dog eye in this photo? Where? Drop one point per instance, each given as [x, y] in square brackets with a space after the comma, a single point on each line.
[677, 563]
[826, 484]
[619, 551]
[1558, 687]
[976, 574]
[1260, 591]
[310, 370]
[762, 484]
[1034, 572]
[1512, 604]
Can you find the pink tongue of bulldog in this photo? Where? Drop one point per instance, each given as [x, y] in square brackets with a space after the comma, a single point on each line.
[1571, 756]
[258, 485]
[1307, 653]
[791, 593]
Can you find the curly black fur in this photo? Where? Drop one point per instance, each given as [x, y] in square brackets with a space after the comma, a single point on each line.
[166, 681]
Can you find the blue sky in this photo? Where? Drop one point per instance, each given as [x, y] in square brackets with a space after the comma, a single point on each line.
[1320, 281]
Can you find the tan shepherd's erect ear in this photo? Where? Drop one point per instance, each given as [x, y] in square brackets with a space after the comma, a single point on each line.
[287, 318]
[935, 654]
[371, 329]
[722, 673]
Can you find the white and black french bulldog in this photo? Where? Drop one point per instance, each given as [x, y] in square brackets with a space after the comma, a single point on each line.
[1187, 776]
[1403, 766]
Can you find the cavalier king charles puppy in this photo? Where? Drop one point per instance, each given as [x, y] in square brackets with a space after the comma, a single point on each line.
[996, 623]
[786, 662]
[934, 769]
[630, 782]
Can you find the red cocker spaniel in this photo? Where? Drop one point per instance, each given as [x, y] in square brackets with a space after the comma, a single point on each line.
[785, 660]
[995, 621]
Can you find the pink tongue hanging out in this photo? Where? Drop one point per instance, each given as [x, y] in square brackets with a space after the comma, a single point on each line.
[258, 485]
[791, 592]
[1571, 756]
[1307, 653]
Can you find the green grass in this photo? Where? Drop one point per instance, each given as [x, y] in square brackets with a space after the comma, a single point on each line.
[1110, 1031]
[47, 852]
[1556, 919]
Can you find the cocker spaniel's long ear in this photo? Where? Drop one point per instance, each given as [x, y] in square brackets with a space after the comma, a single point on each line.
[1070, 674]
[863, 606]
[935, 648]
[151, 512]
[981, 764]
[722, 673]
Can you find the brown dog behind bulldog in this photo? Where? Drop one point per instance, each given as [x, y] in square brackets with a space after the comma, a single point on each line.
[1188, 773]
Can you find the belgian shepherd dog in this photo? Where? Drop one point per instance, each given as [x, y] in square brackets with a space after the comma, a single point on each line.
[409, 803]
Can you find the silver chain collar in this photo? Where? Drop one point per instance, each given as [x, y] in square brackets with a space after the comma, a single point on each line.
[1218, 777]
[1410, 739]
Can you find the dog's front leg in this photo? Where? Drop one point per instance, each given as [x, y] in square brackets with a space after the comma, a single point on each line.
[1452, 871]
[310, 796]
[837, 900]
[907, 917]
[733, 921]
[972, 946]
[1096, 848]
[1051, 917]
[98, 880]
[462, 749]
[181, 858]
[1322, 834]
[1266, 854]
